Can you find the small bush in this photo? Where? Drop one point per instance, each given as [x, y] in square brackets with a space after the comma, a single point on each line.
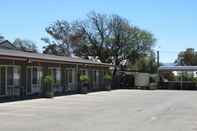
[84, 78]
[48, 86]
[194, 79]
[48, 80]
[108, 77]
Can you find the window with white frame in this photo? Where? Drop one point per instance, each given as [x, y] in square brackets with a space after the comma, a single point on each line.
[83, 72]
[56, 75]
[40, 74]
[17, 73]
[36, 75]
[13, 76]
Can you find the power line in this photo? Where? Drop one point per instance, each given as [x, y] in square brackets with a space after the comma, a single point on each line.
[167, 51]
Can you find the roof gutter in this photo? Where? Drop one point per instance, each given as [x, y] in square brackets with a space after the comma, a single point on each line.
[7, 57]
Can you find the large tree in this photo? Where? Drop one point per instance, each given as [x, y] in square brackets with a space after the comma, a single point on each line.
[62, 38]
[146, 64]
[53, 48]
[113, 39]
[127, 41]
[109, 38]
[1, 37]
[94, 33]
[187, 57]
[25, 45]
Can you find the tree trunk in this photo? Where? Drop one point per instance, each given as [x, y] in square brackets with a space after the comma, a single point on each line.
[114, 83]
[114, 72]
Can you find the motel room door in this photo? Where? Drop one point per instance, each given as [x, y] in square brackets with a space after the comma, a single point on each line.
[2, 81]
[29, 81]
[70, 75]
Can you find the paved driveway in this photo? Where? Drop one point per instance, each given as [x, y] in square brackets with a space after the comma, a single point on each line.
[120, 110]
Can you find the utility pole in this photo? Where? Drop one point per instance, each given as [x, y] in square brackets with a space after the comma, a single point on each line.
[158, 81]
[158, 59]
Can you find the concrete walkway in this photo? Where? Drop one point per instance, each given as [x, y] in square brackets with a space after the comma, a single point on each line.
[119, 110]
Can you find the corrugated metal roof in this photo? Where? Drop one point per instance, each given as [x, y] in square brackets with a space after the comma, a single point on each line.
[178, 68]
[39, 56]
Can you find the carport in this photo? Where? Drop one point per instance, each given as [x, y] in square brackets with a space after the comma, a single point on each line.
[179, 77]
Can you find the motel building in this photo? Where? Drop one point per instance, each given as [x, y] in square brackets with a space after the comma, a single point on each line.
[21, 73]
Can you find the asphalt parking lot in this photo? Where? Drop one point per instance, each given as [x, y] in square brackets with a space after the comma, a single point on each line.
[118, 110]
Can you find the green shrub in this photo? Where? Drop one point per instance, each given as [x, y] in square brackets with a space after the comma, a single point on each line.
[84, 78]
[58, 82]
[107, 77]
[48, 86]
[48, 80]
[194, 79]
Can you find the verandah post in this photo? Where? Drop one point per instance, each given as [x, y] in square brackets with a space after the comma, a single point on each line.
[23, 88]
[63, 78]
[77, 76]
[45, 73]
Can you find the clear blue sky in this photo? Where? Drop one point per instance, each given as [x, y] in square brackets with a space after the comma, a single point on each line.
[173, 22]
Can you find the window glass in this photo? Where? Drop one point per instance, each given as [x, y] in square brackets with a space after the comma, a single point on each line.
[105, 72]
[55, 75]
[39, 75]
[94, 76]
[82, 72]
[70, 76]
[17, 76]
[66, 77]
[97, 76]
[58, 74]
[10, 76]
[35, 76]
